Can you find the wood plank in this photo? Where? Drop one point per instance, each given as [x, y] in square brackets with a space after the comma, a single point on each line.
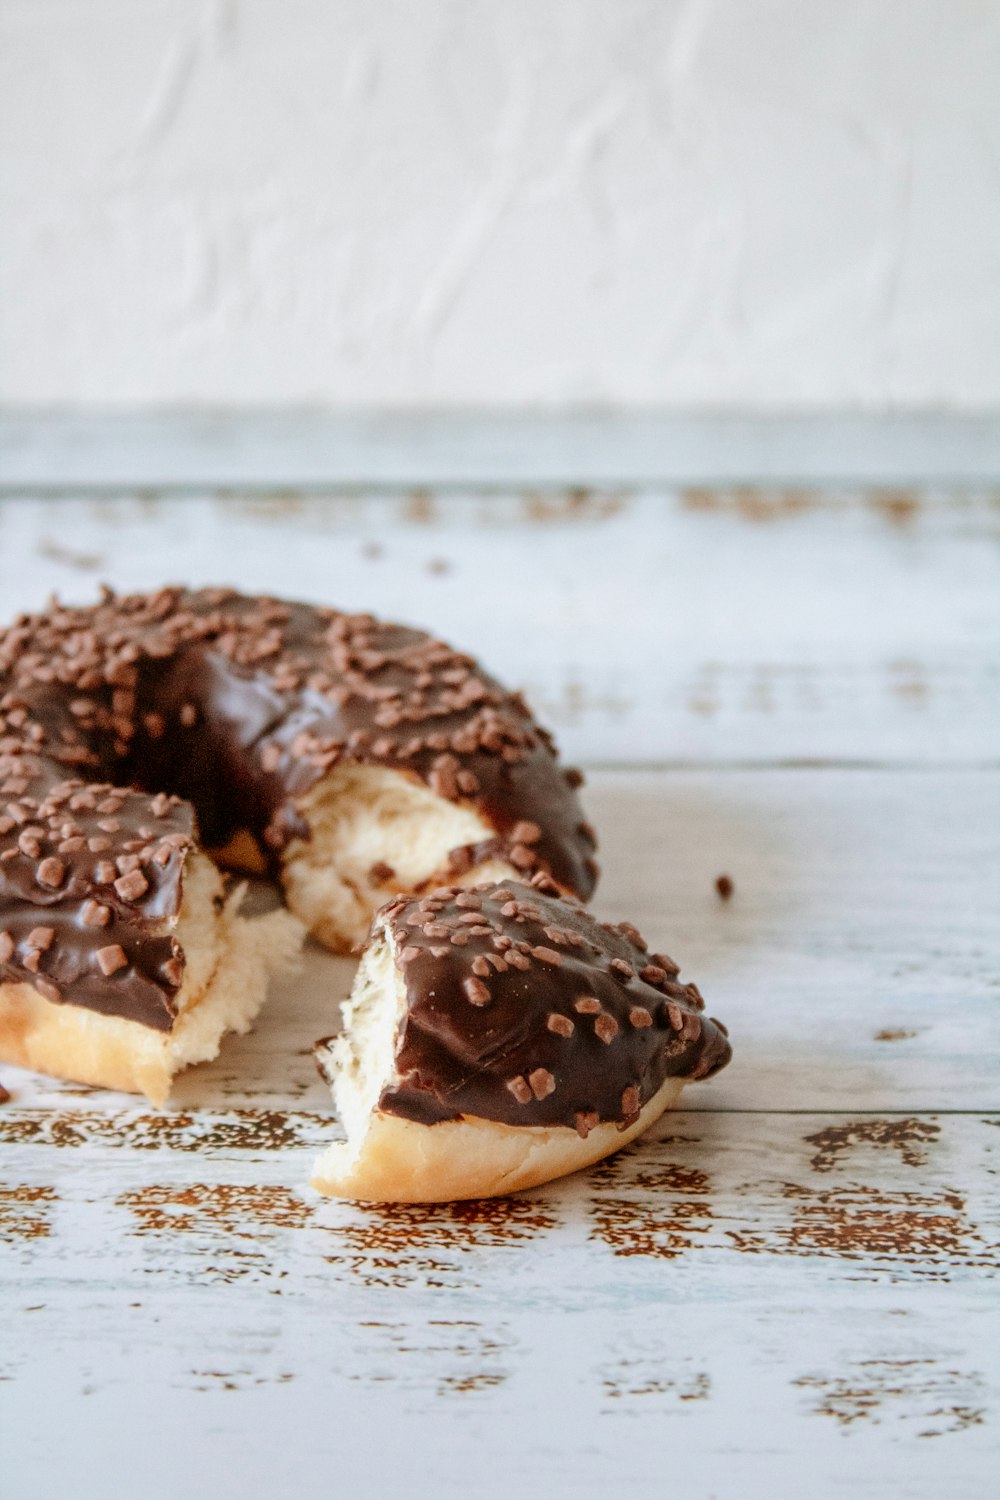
[856, 963]
[748, 1306]
[663, 627]
[269, 448]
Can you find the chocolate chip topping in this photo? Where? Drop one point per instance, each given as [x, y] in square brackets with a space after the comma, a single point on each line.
[230, 708]
[573, 1043]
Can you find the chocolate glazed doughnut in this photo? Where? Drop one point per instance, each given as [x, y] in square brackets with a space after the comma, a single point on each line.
[499, 1037]
[347, 757]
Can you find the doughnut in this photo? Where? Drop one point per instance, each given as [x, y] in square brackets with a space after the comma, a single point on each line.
[498, 1037]
[151, 738]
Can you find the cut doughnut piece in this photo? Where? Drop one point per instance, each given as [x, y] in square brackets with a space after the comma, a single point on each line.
[226, 962]
[498, 1037]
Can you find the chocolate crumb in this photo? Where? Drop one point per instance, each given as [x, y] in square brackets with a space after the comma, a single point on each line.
[725, 887]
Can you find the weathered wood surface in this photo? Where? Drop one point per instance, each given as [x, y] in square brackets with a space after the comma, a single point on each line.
[749, 1306]
[695, 625]
[790, 1290]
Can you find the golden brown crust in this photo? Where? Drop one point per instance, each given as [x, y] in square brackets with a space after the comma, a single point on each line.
[401, 1161]
[69, 1041]
[235, 957]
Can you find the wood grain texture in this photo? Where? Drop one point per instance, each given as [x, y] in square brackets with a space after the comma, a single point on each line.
[274, 448]
[753, 1302]
[791, 1289]
[702, 625]
[753, 1305]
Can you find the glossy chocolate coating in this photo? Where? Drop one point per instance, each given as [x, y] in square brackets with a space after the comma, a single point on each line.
[524, 1009]
[237, 707]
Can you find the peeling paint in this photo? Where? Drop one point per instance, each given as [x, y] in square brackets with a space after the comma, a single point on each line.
[209, 1132]
[631, 1227]
[398, 1244]
[25, 1212]
[927, 1231]
[918, 1393]
[908, 1137]
[635, 1384]
[244, 1211]
[750, 503]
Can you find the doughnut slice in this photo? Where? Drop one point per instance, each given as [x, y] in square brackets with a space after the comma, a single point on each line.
[222, 963]
[499, 1037]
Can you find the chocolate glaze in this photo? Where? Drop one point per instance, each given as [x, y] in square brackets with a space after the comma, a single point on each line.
[236, 707]
[585, 1030]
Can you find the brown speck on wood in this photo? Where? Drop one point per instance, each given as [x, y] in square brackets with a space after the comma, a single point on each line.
[898, 507]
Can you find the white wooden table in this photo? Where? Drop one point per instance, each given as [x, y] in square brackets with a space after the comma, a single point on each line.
[790, 1289]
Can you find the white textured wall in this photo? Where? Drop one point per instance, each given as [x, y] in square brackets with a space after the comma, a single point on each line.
[736, 202]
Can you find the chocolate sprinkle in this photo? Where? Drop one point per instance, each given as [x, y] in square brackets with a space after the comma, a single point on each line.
[111, 959]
